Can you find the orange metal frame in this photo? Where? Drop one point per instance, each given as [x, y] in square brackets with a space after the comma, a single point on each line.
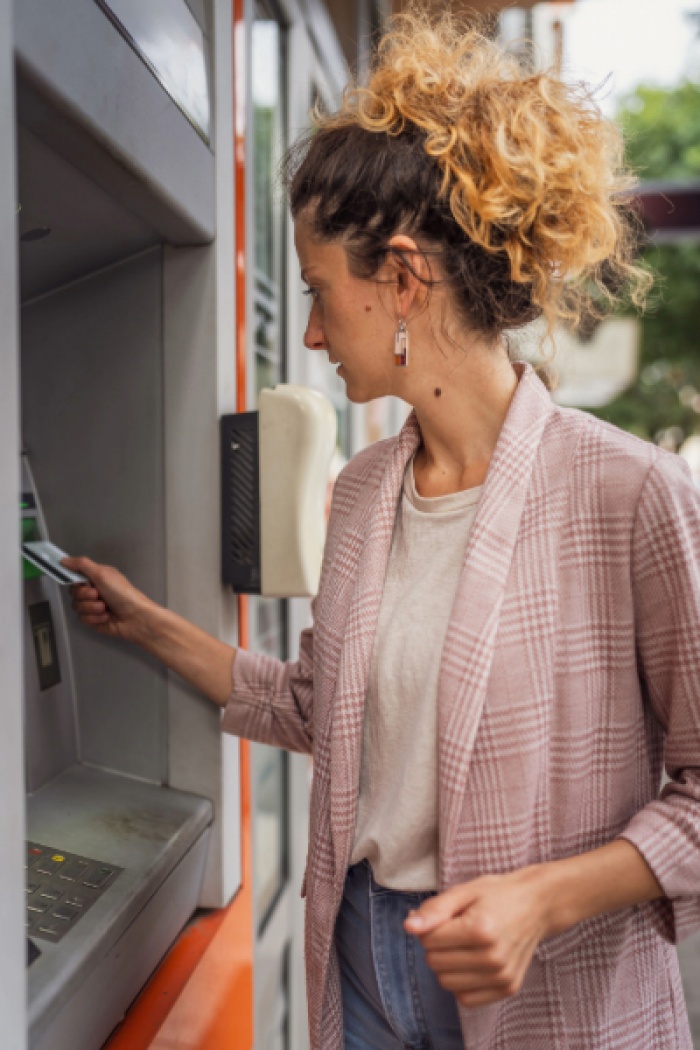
[201, 996]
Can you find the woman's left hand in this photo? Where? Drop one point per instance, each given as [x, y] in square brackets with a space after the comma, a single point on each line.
[479, 936]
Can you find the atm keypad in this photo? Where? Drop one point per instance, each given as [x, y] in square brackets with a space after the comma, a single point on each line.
[61, 888]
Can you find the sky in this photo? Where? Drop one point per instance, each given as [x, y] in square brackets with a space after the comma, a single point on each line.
[621, 43]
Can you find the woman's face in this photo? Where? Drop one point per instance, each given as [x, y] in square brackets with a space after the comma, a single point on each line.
[350, 318]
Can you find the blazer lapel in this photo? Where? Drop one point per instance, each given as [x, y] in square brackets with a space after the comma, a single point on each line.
[471, 633]
[353, 671]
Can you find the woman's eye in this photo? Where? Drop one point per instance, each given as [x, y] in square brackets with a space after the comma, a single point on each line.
[313, 293]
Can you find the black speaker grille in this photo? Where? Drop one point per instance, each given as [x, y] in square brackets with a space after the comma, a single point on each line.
[240, 502]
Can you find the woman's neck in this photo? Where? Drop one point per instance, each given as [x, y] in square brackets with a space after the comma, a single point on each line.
[461, 425]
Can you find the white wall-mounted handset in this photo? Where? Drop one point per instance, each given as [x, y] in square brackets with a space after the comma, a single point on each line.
[275, 476]
[297, 428]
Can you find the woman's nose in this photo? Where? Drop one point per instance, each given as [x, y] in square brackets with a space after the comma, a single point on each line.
[314, 336]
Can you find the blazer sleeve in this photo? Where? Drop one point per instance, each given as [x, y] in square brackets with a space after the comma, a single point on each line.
[271, 701]
[666, 592]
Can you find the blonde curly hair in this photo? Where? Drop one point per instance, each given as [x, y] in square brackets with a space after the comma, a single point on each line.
[516, 176]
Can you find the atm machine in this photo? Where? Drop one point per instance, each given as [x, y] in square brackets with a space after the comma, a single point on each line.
[114, 864]
[132, 792]
[126, 368]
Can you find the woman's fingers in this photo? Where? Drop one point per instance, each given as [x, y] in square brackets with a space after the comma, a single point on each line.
[84, 565]
[482, 998]
[82, 591]
[462, 981]
[467, 961]
[88, 608]
[93, 609]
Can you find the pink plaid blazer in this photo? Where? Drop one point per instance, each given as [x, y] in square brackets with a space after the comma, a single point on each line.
[570, 674]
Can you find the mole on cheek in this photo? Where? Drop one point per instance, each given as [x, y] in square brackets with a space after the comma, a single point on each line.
[368, 308]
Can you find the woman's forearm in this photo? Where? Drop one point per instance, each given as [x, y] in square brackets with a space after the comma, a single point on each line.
[606, 879]
[202, 660]
[111, 605]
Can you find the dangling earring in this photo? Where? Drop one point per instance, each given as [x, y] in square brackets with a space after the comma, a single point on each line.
[401, 345]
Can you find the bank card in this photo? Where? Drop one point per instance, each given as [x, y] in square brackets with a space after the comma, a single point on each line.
[47, 557]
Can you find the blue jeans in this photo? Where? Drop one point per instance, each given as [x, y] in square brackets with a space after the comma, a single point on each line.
[392, 1000]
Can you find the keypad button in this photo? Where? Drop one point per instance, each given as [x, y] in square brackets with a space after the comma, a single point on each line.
[98, 877]
[51, 895]
[74, 870]
[78, 899]
[65, 912]
[51, 926]
[31, 886]
[47, 866]
[39, 905]
[32, 856]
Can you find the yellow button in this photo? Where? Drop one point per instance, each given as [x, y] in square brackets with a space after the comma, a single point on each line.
[57, 856]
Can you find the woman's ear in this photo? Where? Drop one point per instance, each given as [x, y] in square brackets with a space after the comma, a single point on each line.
[405, 267]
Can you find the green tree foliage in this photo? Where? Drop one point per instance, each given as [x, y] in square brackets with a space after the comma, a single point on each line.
[662, 133]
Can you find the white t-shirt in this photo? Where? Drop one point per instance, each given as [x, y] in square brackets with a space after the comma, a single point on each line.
[396, 825]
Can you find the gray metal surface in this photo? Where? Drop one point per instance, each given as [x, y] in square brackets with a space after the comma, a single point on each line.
[141, 828]
[84, 91]
[89, 228]
[12, 942]
[198, 386]
[93, 426]
[170, 41]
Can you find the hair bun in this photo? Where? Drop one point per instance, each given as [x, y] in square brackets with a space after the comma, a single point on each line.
[529, 164]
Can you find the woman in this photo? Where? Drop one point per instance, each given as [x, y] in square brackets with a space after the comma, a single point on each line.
[506, 638]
